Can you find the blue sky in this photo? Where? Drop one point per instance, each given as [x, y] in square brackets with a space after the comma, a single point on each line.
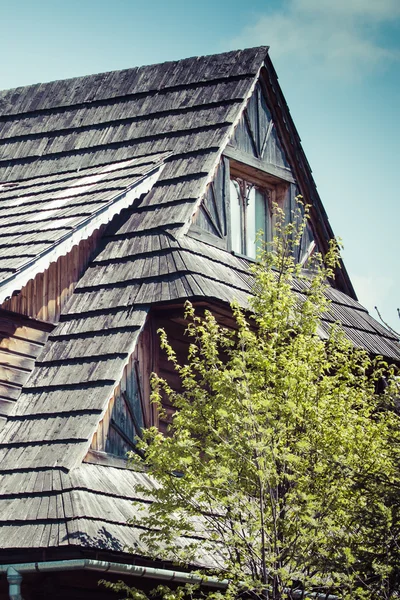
[338, 64]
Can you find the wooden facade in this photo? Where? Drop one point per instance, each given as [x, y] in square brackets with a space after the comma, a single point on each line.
[253, 159]
[29, 315]
[129, 408]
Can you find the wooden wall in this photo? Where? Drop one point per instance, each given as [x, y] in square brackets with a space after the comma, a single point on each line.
[173, 322]
[29, 315]
[129, 408]
[45, 296]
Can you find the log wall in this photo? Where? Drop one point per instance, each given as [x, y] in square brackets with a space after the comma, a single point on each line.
[21, 340]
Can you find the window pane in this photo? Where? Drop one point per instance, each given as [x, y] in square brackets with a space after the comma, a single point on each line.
[307, 246]
[236, 217]
[263, 222]
[251, 223]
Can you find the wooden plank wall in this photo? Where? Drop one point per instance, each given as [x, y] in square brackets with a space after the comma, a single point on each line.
[174, 324]
[45, 296]
[116, 430]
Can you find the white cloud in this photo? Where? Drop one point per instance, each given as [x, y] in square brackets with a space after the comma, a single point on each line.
[369, 9]
[338, 38]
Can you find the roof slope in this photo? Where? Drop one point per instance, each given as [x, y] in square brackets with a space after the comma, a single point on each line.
[44, 218]
[51, 428]
[185, 106]
[88, 507]
[50, 133]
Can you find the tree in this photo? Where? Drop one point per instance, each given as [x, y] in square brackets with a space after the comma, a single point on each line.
[280, 468]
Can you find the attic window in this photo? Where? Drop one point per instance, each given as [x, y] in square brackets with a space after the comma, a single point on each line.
[250, 213]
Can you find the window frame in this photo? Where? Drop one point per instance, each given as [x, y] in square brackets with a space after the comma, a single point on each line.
[275, 190]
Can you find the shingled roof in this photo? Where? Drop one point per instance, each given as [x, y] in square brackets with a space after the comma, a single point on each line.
[135, 150]
[58, 139]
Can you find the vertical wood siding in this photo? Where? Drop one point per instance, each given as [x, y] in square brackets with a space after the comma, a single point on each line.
[212, 214]
[256, 133]
[45, 296]
[129, 408]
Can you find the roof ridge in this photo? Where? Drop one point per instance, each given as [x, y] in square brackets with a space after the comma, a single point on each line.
[135, 68]
[84, 90]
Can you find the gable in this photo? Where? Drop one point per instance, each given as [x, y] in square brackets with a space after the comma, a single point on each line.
[129, 409]
[252, 177]
[256, 133]
[212, 214]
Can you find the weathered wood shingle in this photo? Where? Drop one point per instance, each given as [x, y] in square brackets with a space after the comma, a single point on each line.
[40, 223]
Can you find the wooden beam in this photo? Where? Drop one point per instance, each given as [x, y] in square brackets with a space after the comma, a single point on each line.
[275, 173]
[97, 457]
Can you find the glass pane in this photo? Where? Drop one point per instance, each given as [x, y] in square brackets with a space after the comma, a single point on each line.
[236, 218]
[251, 223]
[307, 246]
[263, 223]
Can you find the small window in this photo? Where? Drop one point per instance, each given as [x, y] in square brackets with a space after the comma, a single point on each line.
[250, 213]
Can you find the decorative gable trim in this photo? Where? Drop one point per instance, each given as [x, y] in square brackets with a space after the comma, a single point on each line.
[276, 172]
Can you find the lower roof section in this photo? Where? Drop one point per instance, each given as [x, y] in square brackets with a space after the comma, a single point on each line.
[86, 508]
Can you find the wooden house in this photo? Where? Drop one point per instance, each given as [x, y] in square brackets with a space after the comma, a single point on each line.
[122, 195]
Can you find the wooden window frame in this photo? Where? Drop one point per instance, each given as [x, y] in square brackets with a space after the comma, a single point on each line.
[274, 187]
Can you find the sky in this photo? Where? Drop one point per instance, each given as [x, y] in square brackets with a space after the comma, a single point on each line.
[338, 63]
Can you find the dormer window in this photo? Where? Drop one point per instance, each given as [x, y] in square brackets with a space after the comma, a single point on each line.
[250, 213]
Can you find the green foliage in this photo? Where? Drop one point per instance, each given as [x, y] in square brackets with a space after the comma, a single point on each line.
[184, 592]
[280, 469]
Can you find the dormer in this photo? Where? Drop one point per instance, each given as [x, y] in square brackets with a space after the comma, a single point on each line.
[254, 174]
